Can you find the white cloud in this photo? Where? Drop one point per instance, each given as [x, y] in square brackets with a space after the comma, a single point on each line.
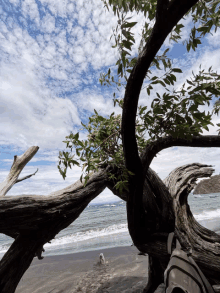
[30, 114]
[169, 159]
[49, 82]
[47, 24]
[29, 8]
[214, 39]
[16, 2]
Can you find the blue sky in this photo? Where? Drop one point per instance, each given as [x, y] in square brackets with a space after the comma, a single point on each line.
[51, 57]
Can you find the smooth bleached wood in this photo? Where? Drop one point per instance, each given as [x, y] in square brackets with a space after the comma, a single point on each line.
[16, 168]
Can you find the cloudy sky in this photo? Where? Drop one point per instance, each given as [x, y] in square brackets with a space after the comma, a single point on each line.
[51, 57]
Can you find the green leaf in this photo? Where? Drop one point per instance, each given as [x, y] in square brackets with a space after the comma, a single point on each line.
[159, 81]
[188, 81]
[177, 70]
[193, 108]
[128, 24]
[76, 136]
[120, 69]
[127, 45]
[74, 162]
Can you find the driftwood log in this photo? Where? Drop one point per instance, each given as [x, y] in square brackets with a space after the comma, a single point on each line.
[35, 220]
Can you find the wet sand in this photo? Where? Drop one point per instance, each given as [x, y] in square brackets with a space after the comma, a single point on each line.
[125, 271]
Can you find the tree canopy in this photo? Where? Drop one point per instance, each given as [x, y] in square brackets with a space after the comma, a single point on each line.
[176, 113]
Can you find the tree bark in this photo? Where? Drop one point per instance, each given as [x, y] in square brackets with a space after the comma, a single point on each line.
[16, 261]
[35, 220]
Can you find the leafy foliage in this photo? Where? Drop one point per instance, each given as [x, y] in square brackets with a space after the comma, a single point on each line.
[205, 16]
[102, 148]
[176, 112]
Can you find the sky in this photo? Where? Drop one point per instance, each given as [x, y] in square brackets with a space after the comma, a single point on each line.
[51, 57]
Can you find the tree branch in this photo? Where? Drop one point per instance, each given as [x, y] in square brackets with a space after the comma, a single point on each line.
[162, 7]
[51, 214]
[161, 30]
[163, 143]
[25, 177]
[176, 10]
[201, 243]
[16, 168]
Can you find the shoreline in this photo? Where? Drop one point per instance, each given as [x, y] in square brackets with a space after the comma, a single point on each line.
[125, 271]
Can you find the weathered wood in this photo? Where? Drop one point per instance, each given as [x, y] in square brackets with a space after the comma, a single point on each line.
[40, 218]
[25, 177]
[33, 213]
[202, 244]
[16, 168]
[178, 184]
[216, 288]
[35, 220]
[16, 261]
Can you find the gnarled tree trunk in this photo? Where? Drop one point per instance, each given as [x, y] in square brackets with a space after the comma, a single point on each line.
[202, 244]
[35, 220]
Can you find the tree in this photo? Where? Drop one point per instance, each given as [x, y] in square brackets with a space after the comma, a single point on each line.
[117, 153]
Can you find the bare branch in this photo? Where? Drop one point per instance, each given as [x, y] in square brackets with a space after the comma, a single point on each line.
[25, 177]
[16, 168]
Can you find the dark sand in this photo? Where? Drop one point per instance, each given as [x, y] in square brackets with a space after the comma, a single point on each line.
[125, 271]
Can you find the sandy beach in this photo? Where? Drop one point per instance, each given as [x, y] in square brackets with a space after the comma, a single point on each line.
[125, 271]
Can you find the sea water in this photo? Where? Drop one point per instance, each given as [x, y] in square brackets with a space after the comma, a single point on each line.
[105, 226]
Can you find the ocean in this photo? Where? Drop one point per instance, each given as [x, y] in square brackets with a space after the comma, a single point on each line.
[105, 226]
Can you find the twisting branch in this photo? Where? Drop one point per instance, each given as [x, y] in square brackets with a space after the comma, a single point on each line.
[175, 12]
[166, 142]
[161, 29]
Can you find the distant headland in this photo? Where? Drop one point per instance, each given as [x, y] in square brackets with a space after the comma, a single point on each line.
[211, 185]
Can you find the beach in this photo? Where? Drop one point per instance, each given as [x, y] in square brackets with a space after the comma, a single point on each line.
[125, 271]
[70, 260]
